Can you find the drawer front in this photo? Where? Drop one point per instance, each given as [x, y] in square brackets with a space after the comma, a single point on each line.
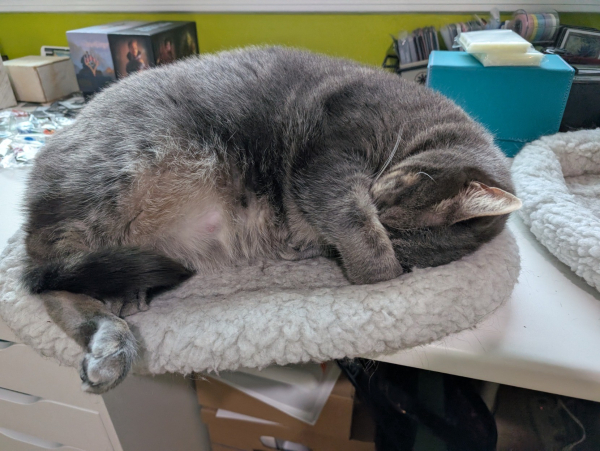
[7, 334]
[23, 370]
[16, 441]
[53, 421]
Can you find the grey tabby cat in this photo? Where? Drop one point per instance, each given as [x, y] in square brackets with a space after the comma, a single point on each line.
[262, 152]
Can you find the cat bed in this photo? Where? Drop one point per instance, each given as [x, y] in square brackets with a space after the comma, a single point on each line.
[283, 312]
[558, 179]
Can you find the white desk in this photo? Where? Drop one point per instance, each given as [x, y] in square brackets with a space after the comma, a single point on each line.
[546, 337]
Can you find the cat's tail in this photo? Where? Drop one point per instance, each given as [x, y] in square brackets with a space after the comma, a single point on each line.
[106, 274]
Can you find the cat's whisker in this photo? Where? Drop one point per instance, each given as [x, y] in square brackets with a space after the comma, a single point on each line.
[394, 150]
[425, 173]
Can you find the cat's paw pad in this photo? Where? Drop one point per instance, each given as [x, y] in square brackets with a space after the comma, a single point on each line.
[111, 352]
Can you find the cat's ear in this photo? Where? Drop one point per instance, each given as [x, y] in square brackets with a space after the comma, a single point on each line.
[480, 200]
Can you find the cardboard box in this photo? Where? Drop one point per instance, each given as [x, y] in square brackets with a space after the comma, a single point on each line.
[335, 419]
[152, 44]
[91, 57]
[246, 435]
[41, 78]
[516, 104]
[7, 96]
[217, 447]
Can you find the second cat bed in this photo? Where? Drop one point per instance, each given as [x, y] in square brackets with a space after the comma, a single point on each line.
[558, 179]
[283, 312]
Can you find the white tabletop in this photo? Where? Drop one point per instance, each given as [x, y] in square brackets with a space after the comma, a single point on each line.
[546, 337]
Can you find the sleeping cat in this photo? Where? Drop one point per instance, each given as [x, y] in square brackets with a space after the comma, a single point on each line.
[255, 153]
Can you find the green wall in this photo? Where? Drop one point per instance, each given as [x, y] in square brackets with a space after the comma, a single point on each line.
[363, 37]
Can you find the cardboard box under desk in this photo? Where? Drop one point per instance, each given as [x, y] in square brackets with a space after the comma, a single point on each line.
[217, 447]
[234, 434]
[335, 419]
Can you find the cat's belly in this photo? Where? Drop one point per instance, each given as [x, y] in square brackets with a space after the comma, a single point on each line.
[201, 237]
[210, 234]
[192, 220]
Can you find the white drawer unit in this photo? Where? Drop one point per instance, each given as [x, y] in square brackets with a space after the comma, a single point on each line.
[53, 421]
[42, 377]
[17, 441]
[42, 407]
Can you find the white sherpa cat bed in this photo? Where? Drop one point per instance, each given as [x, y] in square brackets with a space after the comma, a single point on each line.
[558, 179]
[284, 312]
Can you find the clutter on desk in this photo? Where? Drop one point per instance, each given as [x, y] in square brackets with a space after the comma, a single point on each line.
[24, 130]
[54, 50]
[499, 48]
[451, 31]
[275, 409]
[580, 47]
[104, 53]
[577, 45]
[536, 27]
[583, 106]
[41, 78]
[408, 54]
[516, 104]
[7, 96]
[417, 45]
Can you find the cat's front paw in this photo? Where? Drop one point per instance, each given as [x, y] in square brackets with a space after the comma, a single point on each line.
[111, 353]
[371, 271]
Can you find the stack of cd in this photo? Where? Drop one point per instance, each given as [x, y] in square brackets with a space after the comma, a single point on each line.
[499, 48]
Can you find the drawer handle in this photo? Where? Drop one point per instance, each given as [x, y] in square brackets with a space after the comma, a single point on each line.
[17, 397]
[5, 344]
[30, 439]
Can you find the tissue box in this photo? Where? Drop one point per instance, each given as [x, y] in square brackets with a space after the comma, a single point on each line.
[41, 78]
[7, 97]
[516, 104]
[153, 44]
[90, 54]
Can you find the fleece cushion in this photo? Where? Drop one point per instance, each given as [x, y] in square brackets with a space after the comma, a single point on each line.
[558, 179]
[280, 312]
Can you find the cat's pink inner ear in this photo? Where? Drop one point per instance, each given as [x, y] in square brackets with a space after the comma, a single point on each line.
[481, 200]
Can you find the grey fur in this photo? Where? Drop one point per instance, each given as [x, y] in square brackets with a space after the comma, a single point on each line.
[265, 152]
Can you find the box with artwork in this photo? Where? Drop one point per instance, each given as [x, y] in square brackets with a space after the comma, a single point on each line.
[90, 54]
[152, 44]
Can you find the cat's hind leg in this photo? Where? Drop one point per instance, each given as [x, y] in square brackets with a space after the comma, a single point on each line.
[86, 293]
[109, 343]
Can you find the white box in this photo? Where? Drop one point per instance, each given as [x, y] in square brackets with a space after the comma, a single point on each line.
[41, 78]
[7, 97]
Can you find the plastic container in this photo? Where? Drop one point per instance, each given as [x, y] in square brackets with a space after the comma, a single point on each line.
[496, 41]
[530, 58]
